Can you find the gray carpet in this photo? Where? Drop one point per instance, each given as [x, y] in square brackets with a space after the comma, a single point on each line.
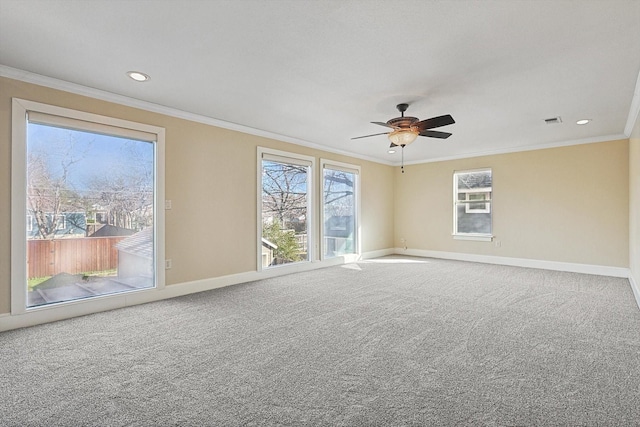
[390, 342]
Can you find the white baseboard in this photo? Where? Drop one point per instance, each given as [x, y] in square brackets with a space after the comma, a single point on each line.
[599, 270]
[378, 254]
[635, 288]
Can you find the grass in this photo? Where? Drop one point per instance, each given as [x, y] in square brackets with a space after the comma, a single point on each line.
[36, 281]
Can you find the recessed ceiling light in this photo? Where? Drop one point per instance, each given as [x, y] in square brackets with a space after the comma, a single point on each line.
[583, 122]
[138, 76]
[391, 151]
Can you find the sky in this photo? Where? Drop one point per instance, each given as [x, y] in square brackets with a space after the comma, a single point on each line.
[98, 155]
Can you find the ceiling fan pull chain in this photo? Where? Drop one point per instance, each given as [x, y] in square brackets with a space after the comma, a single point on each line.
[402, 165]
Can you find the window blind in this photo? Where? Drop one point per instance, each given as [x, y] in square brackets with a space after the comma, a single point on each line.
[83, 125]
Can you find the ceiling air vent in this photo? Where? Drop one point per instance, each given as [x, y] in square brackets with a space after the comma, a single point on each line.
[553, 120]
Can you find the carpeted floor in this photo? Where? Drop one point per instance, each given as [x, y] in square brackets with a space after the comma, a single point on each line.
[389, 342]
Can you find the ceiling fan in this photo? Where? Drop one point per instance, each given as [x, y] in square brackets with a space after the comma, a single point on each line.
[407, 129]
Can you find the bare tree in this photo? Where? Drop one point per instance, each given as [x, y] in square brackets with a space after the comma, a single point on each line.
[126, 192]
[284, 192]
[338, 193]
[128, 204]
[48, 193]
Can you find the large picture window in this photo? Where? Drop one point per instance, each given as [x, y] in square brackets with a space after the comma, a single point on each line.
[285, 208]
[472, 192]
[68, 167]
[339, 209]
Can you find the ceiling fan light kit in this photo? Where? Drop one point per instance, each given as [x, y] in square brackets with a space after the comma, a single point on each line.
[403, 137]
[407, 129]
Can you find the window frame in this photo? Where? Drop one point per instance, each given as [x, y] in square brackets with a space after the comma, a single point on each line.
[19, 121]
[264, 153]
[481, 237]
[356, 170]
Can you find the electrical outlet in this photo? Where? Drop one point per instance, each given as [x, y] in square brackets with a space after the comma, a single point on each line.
[167, 264]
[404, 243]
[167, 204]
[498, 243]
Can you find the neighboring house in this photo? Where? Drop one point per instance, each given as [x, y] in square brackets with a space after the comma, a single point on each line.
[476, 214]
[473, 195]
[97, 215]
[339, 226]
[70, 224]
[135, 256]
[267, 252]
[338, 234]
[133, 219]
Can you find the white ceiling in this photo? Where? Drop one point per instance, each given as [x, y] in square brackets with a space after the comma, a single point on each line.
[317, 72]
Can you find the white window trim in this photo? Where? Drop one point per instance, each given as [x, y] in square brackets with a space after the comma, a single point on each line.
[356, 170]
[312, 202]
[478, 237]
[20, 109]
[473, 237]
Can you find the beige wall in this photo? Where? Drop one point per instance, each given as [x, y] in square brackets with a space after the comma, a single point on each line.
[634, 202]
[578, 204]
[566, 204]
[211, 180]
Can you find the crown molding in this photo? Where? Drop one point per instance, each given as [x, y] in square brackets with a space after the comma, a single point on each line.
[50, 82]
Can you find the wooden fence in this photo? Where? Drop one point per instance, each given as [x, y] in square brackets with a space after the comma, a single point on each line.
[73, 256]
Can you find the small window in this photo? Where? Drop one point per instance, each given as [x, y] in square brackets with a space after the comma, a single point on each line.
[59, 222]
[477, 207]
[472, 204]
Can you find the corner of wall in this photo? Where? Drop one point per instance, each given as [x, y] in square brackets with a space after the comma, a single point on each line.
[633, 130]
[634, 206]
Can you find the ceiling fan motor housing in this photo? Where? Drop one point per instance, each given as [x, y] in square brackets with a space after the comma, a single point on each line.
[402, 122]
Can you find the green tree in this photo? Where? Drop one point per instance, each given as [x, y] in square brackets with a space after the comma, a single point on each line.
[287, 246]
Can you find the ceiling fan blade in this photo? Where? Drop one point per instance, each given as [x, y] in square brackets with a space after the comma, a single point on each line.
[393, 145]
[435, 122]
[384, 124]
[435, 134]
[375, 134]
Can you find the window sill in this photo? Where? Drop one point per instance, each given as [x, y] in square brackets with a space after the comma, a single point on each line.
[474, 237]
